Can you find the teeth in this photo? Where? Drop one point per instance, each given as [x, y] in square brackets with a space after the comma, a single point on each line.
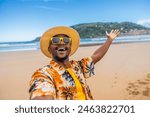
[61, 49]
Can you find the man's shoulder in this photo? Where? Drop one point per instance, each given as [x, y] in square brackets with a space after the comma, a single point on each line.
[42, 72]
[82, 59]
[42, 69]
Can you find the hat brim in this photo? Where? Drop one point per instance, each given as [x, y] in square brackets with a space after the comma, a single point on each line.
[72, 33]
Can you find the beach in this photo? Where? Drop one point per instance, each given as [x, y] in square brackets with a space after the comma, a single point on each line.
[122, 74]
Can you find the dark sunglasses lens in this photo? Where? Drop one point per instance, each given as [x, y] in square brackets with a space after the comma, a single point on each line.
[55, 40]
[66, 40]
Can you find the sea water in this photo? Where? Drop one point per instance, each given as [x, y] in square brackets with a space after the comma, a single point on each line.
[123, 39]
[23, 46]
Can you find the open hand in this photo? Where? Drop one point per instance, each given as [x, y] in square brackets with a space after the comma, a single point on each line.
[113, 34]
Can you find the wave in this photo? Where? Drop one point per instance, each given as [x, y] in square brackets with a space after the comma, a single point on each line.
[6, 47]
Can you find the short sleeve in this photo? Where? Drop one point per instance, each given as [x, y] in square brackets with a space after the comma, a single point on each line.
[87, 66]
[41, 85]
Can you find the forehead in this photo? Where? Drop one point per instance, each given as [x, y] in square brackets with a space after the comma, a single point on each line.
[60, 35]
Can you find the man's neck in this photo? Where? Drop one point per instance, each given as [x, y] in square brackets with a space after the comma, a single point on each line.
[65, 63]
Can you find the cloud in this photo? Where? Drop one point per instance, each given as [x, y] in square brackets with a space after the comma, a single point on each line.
[144, 22]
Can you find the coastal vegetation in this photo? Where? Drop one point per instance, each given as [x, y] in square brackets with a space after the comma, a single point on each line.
[95, 30]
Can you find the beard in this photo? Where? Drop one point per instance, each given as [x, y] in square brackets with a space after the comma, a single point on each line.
[61, 59]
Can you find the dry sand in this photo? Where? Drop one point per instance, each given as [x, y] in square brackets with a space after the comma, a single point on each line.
[123, 73]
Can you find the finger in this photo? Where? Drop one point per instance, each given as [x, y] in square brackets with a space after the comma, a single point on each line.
[116, 31]
[112, 31]
[106, 32]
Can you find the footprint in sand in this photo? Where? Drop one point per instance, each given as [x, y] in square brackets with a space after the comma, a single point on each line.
[148, 80]
[139, 87]
[143, 82]
[146, 92]
[148, 75]
[115, 80]
[132, 89]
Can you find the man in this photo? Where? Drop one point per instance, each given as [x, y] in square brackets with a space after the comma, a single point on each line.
[64, 79]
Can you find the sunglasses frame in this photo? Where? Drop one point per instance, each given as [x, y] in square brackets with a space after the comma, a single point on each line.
[60, 39]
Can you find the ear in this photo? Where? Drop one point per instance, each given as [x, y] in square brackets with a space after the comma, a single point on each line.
[49, 48]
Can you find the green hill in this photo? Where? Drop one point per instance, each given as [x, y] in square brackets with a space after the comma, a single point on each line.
[93, 30]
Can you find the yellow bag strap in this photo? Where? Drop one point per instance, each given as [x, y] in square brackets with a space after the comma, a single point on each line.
[80, 92]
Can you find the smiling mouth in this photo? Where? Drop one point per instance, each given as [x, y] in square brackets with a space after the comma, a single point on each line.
[61, 53]
[61, 49]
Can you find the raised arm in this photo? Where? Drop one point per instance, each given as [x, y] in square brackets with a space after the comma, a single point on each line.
[101, 51]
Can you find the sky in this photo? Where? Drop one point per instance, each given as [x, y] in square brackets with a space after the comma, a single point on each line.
[24, 20]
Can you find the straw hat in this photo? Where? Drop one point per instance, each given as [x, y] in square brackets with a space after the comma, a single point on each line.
[45, 39]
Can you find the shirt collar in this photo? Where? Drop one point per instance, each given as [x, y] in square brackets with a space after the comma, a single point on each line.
[55, 65]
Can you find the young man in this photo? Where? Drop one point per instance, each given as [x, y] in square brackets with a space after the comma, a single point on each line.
[64, 79]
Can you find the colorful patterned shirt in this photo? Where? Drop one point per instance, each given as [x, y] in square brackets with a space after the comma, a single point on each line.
[56, 81]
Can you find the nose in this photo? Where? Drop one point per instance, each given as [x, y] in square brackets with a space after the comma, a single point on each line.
[61, 41]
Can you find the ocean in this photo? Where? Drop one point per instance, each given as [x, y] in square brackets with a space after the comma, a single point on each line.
[23, 46]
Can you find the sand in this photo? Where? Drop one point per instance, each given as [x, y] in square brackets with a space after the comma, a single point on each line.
[122, 74]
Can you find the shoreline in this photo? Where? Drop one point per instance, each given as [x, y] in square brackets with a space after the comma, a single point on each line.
[94, 44]
[81, 45]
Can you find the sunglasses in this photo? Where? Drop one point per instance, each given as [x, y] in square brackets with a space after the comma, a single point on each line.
[57, 40]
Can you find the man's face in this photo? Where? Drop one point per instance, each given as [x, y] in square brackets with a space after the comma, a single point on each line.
[61, 51]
